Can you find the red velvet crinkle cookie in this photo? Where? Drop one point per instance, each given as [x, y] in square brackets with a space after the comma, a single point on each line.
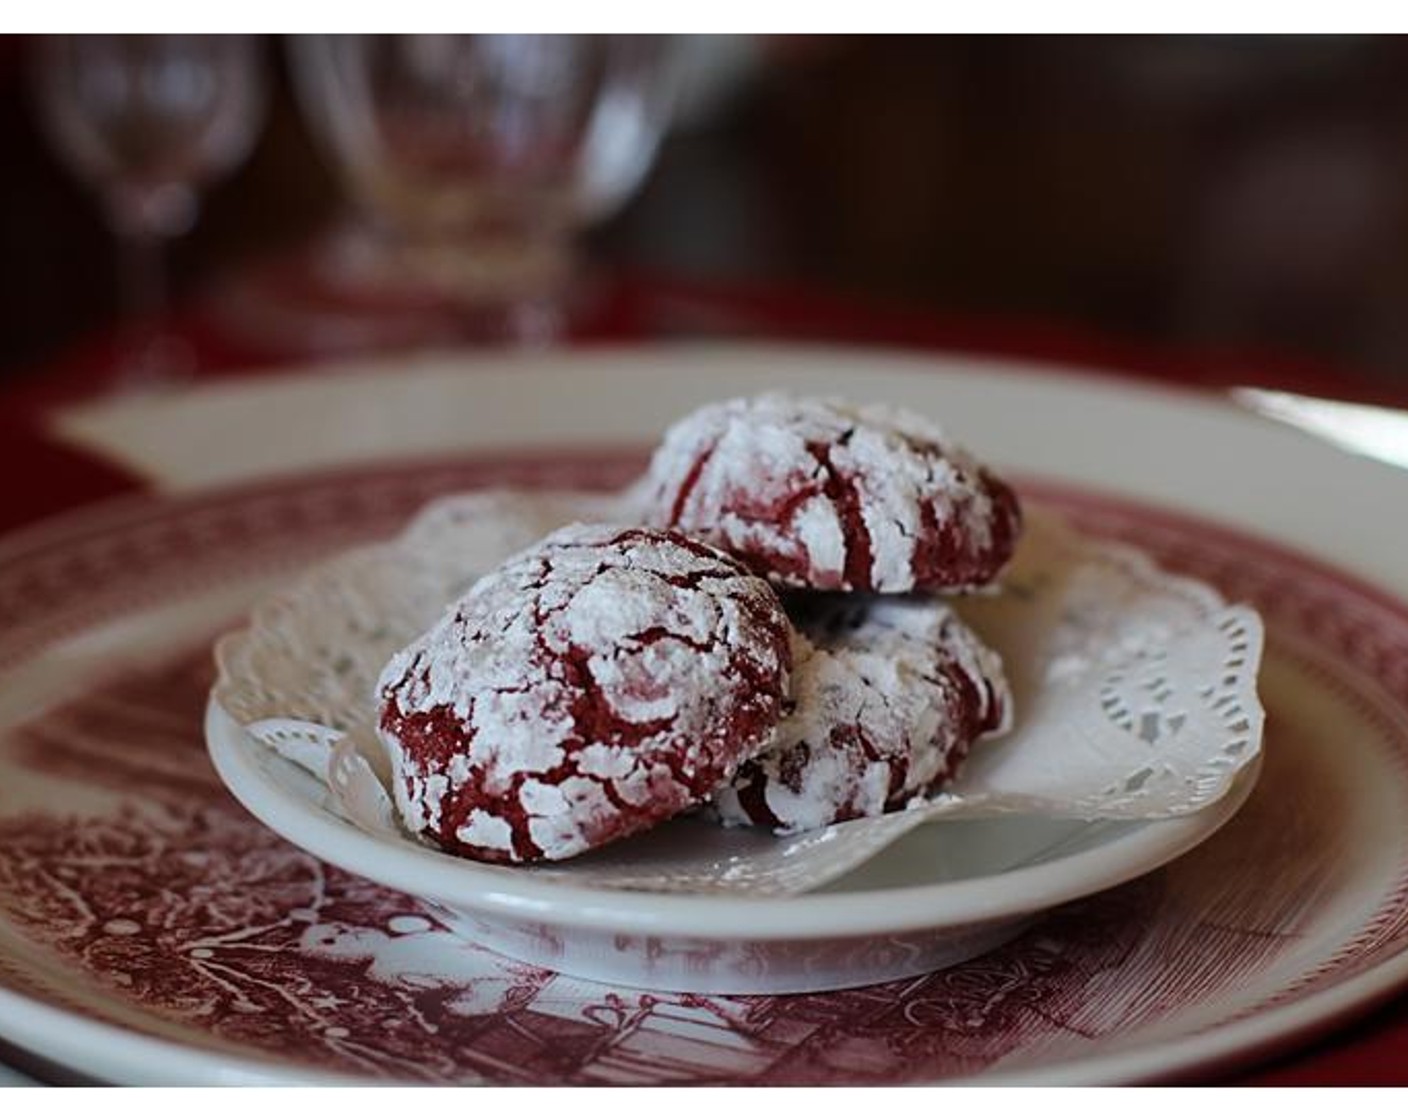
[829, 496]
[890, 695]
[593, 686]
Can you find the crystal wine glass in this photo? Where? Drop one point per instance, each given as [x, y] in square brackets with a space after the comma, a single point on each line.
[475, 160]
[147, 121]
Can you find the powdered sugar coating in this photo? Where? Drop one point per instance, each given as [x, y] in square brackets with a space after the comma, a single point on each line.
[890, 694]
[831, 496]
[594, 685]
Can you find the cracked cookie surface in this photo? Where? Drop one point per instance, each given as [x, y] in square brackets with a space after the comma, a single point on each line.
[830, 496]
[593, 686]
[890, 694]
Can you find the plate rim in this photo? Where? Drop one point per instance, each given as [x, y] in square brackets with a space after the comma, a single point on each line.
[130, 1055]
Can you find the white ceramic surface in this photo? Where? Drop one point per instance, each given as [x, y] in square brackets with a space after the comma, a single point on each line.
[150, 931]
[944, 894]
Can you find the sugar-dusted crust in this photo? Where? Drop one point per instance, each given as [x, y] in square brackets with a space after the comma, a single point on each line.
[890, 693]
[595, 685]
[830, 496]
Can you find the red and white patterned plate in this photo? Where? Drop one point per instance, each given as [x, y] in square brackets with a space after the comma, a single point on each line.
[152, 931]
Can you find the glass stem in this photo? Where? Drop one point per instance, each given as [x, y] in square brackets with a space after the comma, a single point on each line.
[152, 358]
[142, 278]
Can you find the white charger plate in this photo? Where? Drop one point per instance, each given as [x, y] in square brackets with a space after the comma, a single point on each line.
[151, 931]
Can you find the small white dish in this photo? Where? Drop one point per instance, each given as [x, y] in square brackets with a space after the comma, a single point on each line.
[943, 894]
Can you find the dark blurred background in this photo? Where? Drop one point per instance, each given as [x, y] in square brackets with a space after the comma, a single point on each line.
[1186, 192]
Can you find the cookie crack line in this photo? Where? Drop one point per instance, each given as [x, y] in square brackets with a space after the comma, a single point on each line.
[594, 716]
[690, 481]
[857, 571]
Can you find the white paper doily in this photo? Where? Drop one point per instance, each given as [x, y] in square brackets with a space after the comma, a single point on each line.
[1135, 692]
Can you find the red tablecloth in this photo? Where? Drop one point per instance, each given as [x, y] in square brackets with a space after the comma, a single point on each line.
[44, 478]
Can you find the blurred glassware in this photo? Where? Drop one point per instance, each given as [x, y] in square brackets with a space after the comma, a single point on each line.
[147, 121]
[476, 160]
